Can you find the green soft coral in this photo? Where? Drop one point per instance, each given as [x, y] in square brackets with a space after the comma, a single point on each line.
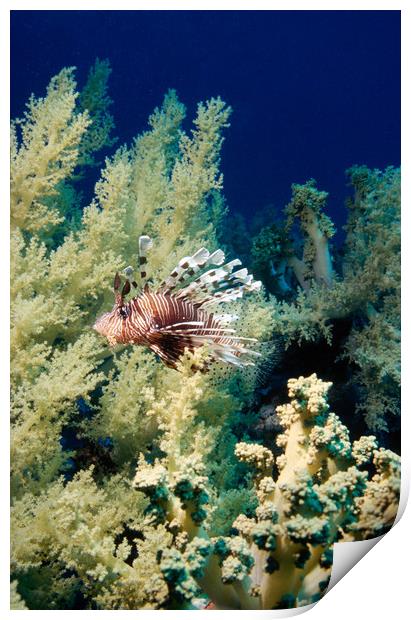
[360, 287]
[280, 554]
[307, 204]
[42, 404]
[372, 269]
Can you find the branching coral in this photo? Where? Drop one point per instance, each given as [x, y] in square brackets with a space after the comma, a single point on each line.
[44, 151]
[307, 204]
[318, 497]
[273, 254]
[91, 532]
[42, 404]
[178, 173]
[74, 401]
[273, 250]
[362, 287]
[80, 536]
[280, 555]
[94, 99]
[372, 273]
[56, 295]
[212, 515]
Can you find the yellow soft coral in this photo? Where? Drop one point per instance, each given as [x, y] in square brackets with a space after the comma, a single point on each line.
[76, 402]
[42, 404]
[94, 99]
[172, 175]
[47, 153]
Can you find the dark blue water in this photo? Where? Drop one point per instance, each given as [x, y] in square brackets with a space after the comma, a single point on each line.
[313, 92]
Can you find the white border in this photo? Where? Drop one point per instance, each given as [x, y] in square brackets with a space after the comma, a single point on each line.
[379, 584]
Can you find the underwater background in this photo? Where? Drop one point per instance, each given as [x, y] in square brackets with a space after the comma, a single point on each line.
[313, 92]
[205, 483]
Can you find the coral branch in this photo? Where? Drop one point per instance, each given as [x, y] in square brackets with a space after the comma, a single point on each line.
[282, 556]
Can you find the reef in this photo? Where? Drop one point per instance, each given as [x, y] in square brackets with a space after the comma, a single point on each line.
[316, 288]
[280, 554]
[136, 486]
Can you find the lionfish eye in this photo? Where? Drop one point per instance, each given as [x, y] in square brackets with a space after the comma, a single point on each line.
[122, 312]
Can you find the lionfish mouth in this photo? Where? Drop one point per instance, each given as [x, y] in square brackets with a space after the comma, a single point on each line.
[102, 324]
[177, 315]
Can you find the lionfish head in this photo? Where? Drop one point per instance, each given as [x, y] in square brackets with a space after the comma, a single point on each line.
[106, 325]
[109, 323]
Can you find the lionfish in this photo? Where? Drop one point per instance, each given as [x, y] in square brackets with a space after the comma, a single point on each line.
[176, 315]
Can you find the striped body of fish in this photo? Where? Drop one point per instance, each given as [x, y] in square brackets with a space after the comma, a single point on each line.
[177, 314]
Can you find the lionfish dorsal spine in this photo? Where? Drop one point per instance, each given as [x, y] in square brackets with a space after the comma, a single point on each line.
[116, 289]
[180, 313]
[208, 280]
[144, 244]
[190, 265]
[126, 289]
[129, 273]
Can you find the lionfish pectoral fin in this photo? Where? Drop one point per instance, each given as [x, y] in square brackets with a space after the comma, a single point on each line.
[163, 355]
[112, 342]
